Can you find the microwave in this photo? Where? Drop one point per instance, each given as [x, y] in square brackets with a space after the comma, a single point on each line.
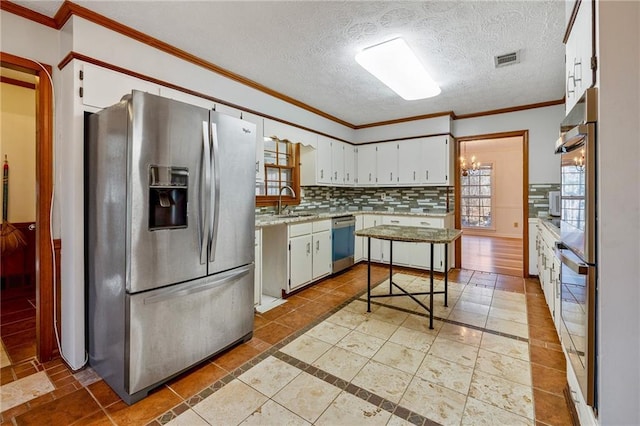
[554, 203]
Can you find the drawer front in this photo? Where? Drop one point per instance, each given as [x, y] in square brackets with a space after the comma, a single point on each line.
[321, 225]
[427, 222]
[298, 229]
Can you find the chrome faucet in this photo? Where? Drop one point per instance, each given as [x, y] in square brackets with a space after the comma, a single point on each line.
[293, 194]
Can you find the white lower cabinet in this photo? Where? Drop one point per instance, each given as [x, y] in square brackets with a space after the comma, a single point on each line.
[402, 252]
[422, 252]
[309, 252]
[358, 251]
[376, 246]
[257, 286]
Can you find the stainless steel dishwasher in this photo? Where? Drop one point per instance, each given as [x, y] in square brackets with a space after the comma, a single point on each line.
[342, 241]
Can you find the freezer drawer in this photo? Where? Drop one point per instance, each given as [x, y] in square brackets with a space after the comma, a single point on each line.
[172, 329]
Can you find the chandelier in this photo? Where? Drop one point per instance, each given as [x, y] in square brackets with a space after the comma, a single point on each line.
[471, 168]
[579, 161]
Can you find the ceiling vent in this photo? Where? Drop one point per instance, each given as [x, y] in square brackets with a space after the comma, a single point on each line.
[507, 59]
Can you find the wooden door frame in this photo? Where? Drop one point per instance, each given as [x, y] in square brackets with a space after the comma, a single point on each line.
[524, 134]
[45, 338]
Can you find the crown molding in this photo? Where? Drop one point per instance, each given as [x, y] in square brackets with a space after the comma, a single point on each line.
[69, 9]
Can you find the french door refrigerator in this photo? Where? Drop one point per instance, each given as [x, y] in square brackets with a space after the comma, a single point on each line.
[170, 229]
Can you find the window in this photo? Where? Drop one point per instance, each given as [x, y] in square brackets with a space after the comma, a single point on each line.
[573, 195]
[281, 168]
[477, 198]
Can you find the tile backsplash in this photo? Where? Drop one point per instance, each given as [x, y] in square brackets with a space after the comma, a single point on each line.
[385, 199]
[539, 198]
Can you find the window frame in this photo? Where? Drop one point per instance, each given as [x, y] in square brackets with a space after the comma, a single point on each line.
[272, 200]
[490, 197]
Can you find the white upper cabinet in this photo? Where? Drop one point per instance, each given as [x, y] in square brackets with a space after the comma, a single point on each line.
[186, 98]
[366, 170]
[411, 162]
[259, 122]
[225, 109]
[578, 55]
[337, 162]
[436, 161]
[323, 159]
[102, 87]
[387, 163]
[350, 166]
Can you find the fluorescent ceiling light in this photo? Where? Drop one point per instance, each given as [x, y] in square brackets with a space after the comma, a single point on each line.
[393, 63]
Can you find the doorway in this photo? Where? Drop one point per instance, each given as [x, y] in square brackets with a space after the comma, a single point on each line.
[37, 288]
[491, 202]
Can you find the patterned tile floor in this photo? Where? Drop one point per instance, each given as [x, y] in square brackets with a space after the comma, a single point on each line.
[492, 358]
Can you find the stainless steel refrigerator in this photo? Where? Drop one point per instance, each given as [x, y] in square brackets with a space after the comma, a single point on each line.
[170, 229]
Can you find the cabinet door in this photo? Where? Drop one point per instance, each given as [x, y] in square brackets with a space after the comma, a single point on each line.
[410, 162]
[323, 161]
[367, 173]
[300, 261]
[337, 162]
[387, 163]
[421, 254]
[257, 287]
[401, 250]
[376, 247]
[102, 88]
[358, 252]
[435, 160]
[259, 122]
[578, 54]
[321, 254]
[349, 164]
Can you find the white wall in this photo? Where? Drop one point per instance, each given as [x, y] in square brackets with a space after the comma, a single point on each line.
[618, 151]
[18, 142]
[543, 125]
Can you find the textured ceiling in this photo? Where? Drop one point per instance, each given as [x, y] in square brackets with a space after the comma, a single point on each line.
[305, 49]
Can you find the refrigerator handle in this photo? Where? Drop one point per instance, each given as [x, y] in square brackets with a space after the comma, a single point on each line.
[216, 193]
[204, 200]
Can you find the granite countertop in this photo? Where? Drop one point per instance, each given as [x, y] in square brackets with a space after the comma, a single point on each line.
[552, 224]
[311, 215]
[413, 234]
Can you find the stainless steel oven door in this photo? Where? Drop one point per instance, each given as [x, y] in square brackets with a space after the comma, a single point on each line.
[577, 310]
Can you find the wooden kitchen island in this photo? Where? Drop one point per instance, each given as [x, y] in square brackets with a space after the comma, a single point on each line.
[411, 234]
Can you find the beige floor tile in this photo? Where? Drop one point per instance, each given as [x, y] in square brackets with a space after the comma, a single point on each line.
[188, 418]
[420, 323]
[505, 345]
[435, 402]
[234, 402]
[392, 316]
[513, 369]
[480, 413]
[397, 421]
[384, 381]
[510, 296]
[468, 306]
[360, 306]
[510, 396]
[341, 363]
[468, 318]
[306, 348]
[472, 290]
[272, 413]
[400, 357]
[270, 376]
[454, 376]
[349, 410]
[307, 396]
[508, 315]
[476, 298]
[413, 339]
[25, 389]
[328, 332]
[377, 328]
[509, 305]
[349, 319]
[454, 351]
[360, 343]
[466, 335]
[508, 327]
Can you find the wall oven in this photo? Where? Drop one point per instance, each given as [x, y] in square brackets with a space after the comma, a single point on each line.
[577, 247]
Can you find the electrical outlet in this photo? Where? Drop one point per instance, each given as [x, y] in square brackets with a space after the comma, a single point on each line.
[383, 196]
[515, 224]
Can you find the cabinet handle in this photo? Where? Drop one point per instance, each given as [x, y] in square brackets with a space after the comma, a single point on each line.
[395, 221]
[257, 166]
[577, 77]
[308, 248]
[317, 245]
[425, 223]
[369, 177]
[570, 77]
[335, 175]
[321, 173]
[414, 176]
[391, 177]
[347, 176]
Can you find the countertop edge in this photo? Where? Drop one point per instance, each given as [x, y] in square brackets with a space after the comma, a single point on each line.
[268, 220]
